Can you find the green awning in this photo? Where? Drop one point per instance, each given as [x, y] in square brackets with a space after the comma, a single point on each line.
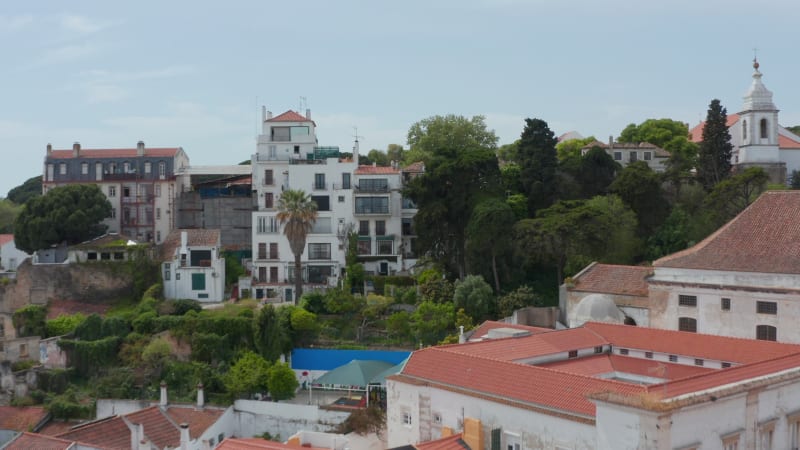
[387, 237]
[364, 238]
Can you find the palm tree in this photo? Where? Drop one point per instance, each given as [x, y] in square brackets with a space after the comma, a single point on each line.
[297, 212]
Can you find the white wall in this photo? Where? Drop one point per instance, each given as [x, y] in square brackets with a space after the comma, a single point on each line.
[285, 419]
[10, 256]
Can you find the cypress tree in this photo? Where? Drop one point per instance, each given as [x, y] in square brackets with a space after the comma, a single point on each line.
[714, 155]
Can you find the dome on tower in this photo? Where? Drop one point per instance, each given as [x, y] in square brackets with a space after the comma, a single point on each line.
[758, 97]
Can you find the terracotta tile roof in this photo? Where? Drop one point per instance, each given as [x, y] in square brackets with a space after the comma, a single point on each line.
[22, 418]
[765, 238]
[56, 427]
[158, 429]
[199, 420]
[6, 238]
[593, 144]
[111, 432]
[613, 279]
[695, 345]
[526, 347]
[485, 327]
[89, 153]
[376, 170]
[194, 237]
[605, 363]
[534, 385]
[454, 442]
[787, 142]
[696, 133]
[31, 441]
[418, 166]
[487, 369]
[289, 116]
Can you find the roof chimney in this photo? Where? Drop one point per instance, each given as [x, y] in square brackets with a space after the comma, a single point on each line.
[144, 445]
[184, 242]
[76, 149]
[308, 113]
[49, 149]
[185, 436]
[163, 402]
[140, 148]
[200, 397]
[611, 142]
[461, 337]
[269, 115]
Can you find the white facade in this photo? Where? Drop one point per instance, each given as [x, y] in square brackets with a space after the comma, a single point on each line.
[194, 270]
[288, 157]
[10, 256]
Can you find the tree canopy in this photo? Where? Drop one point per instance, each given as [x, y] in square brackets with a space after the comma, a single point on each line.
[714, 154]
[537, 157]
[655, 131]
[68, 213]
[428, 136]
[32, 187]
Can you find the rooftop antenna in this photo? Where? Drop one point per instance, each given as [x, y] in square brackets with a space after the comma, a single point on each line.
[303, 104]
[355, 144]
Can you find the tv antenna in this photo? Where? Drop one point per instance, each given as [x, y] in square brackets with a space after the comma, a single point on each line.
[355, 134]
[303, 104]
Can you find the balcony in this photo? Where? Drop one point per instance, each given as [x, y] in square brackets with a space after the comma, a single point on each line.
[319, 186]
[382, 189]
[147, 198]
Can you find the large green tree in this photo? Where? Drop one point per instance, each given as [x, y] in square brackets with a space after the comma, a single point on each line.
[732, 196]
[269, 335]
[297, 213]
[714, 154]
[475, 296]
[682, 160]
[69, 213]
[488, 235]
[639, 186]
[281, 381]
[596, 172]
[8, 215]
[32, 187]
[248, 375]
[537, 157]
[460, 169]
[655, 131]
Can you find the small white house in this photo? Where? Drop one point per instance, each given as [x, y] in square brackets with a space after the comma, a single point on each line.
[191, 266]
[10, 255]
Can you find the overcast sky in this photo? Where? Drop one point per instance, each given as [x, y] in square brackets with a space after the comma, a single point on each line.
[194, 74]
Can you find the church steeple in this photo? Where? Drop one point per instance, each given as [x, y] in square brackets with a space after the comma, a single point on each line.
[758, 97]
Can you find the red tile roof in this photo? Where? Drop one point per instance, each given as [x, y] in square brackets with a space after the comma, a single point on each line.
[199, 420]
[696, 133]
[289, 116]
[454, 442]
[787, 142]
[194, 238]
[116, 153]
[418, 166]
[160, 431]
[488, 325]
[488, 369]
[764, 238]
[613, 279]
[22, 418]
[31, 441]
[253, 444]
[376, 170]
[6, 238]
[111, 432]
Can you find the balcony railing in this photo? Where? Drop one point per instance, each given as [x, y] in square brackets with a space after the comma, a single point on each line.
[372, 188]
[138, 198]
[315, 186]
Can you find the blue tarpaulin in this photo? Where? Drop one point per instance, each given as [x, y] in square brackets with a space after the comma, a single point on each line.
[326, 359]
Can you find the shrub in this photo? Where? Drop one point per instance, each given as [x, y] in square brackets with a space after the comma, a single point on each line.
[30, 320]
[63, 324]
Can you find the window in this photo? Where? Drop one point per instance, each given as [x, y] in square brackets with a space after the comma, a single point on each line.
[687, 324]
[687, 300]
[112, 191]
[220, 437]
[345, 180]
[113, 213]
[374, 185]
[385, 247]
[262, 274]
[380, 228]
[266, 225]
[262, 250]
[198, 281]
[162, 169]
[598, 349]
[766, 333]
[158, 190]
[617, 156]
[372, 205]
[84, 169]
[269, 200]
[766, 431]
[273, 250]
[794, 430]
[363, 227]
[323, 202]
[91, 256]
[319, 181]
[62, 168]
[319, 274]
[148, 167]
[364, 246]
[437, 418]
[158, 236]
[673, 358]
[341, 199]
[573, 354]
[698, 362]
[725, 304]
[273, 151]
[731, 441]
[119, 256]
[623, 351]
[166, 271]
[268, 179]
[319, 251]
[406, 418]
[126, 167]
[633, 156]
[273, 274]
[763, 128]
[648, 355]
[648, 156]
[767, 308]
[726, 365]
[281, 134]
[98, 171]
[407, 226]
[158, 213]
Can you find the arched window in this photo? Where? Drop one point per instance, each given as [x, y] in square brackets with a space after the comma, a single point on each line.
[744, 130]
[687, 324]
[766, 333]
[763, 128]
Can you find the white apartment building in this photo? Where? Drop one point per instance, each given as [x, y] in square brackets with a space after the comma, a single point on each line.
[349, 198]
[141, 184]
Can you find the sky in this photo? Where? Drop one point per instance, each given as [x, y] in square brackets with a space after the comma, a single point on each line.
[195, 74]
